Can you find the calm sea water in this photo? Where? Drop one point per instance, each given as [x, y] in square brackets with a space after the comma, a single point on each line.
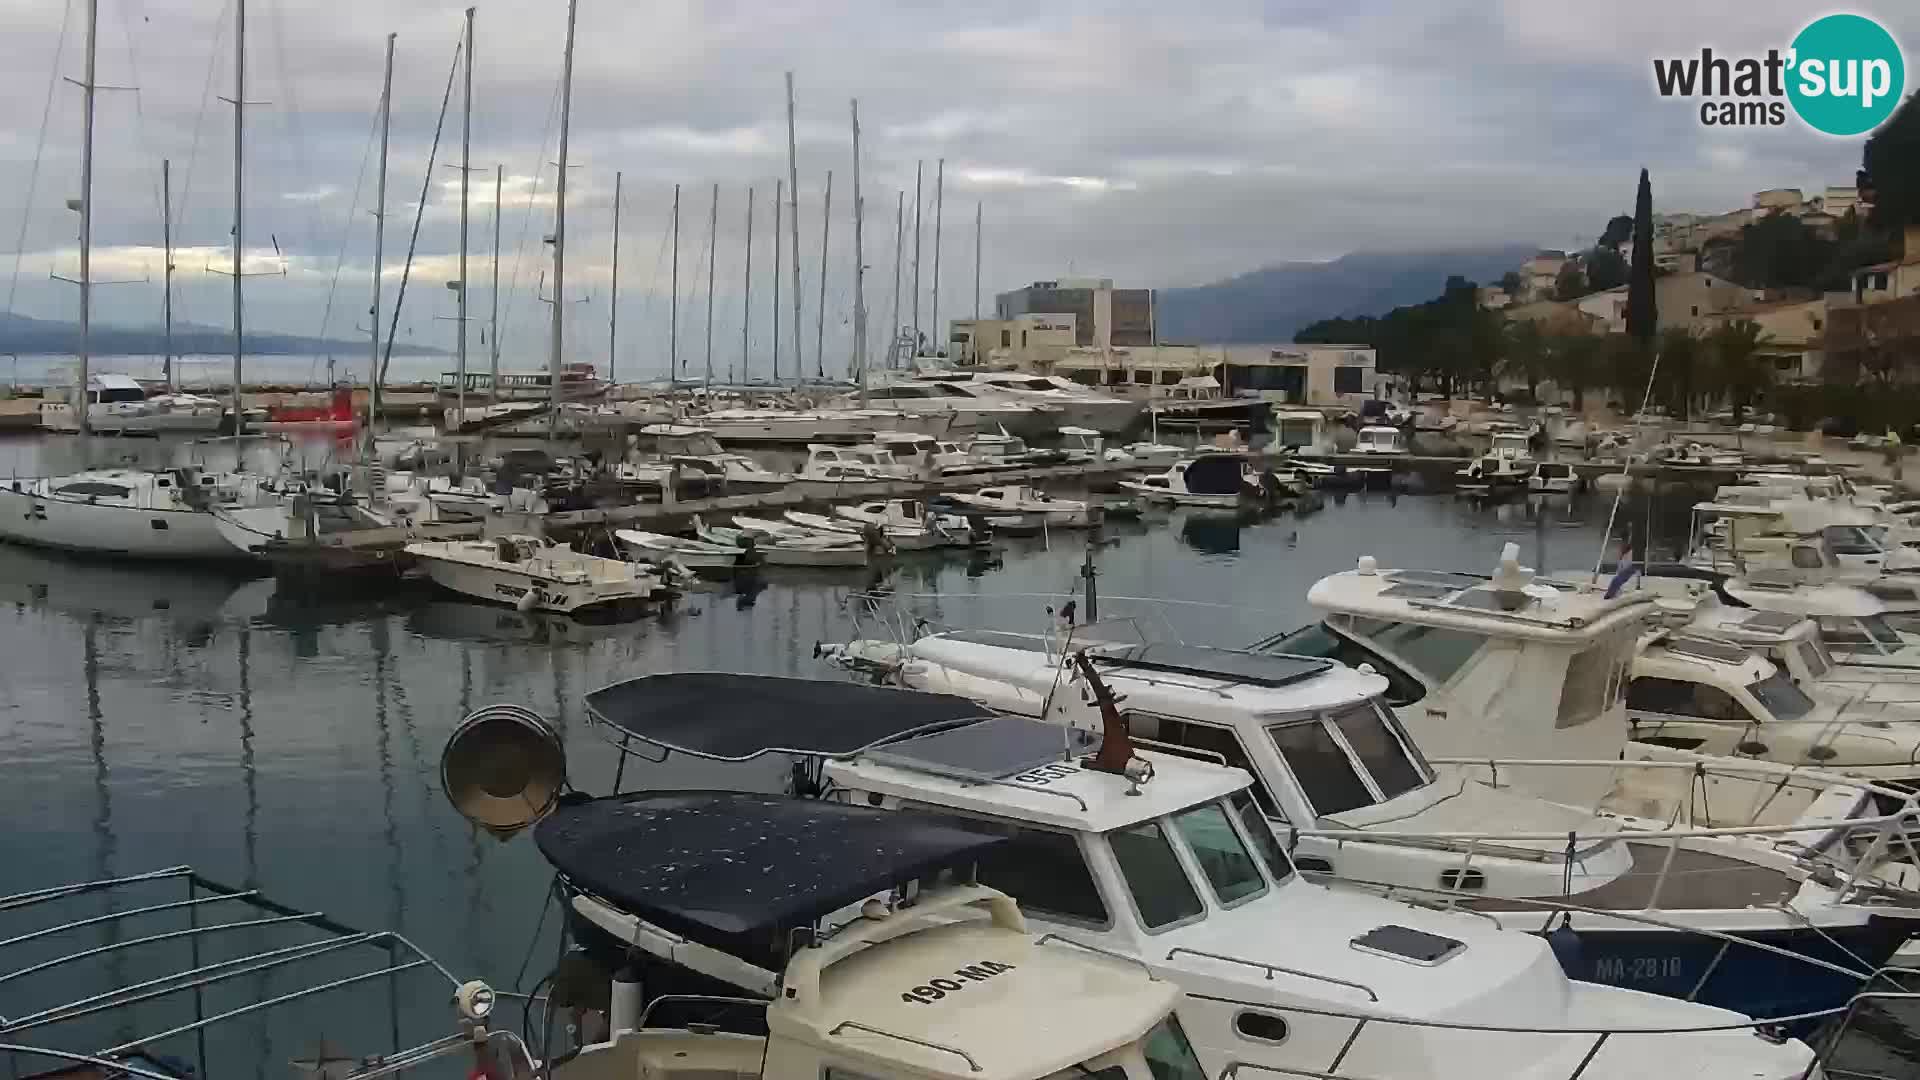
[160, 716]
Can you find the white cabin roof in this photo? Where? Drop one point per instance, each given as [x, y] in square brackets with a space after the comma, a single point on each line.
[1693, 660]
[1543, 609]
[1805, 600]
[108, 380]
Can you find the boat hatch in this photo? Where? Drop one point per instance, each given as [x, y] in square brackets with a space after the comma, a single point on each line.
[1418, 590]
[990, 750]
[1438, 577]
[1707, 650]
[1409, 945]
[1257, 669]
[729, 717]
[1773, 621]
[717, 866]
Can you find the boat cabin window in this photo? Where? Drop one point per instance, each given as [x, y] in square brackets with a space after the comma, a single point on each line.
[1814, 654]
[1807, 558]
[1849, 540]
[1261, 833]
[1158, 883]
[94, 487]
[1385, 754]
[1210, 738]
[1853, 633]
[1047, 874]
[1317, 639]
[1228, 867]
[1780, 696]
[1169, 1055]
[992, 493]
[1595, 678]
[1325, 774]
[1679, 698]
[1434, 651]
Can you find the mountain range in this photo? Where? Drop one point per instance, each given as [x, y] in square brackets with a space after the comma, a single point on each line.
[1270, 304]
[41, 337]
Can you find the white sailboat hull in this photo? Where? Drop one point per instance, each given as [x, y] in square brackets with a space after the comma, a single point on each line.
[106, 420]
[108, 529]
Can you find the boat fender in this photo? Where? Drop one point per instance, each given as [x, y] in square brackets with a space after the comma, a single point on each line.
[1567, 946]
[625, 1001]
[527, 600]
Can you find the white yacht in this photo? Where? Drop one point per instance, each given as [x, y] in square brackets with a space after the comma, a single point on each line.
[120, 405]
[920, 455]
[944, 407]
[831, 464]
[798, 425]
[1219, 481]
[696, 448]
[1026, 499]
[1338, 773]
[533, 574]
[133, 512]
[1166, 861]
[952, 530]
[1380, 439]
[1076, 405]
[1846, 627]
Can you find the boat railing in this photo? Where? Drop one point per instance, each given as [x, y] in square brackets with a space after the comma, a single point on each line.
[1270, 969]
[1819, 1061]
[1777, 774]
[855, 1025]
[1120, 956]
[28, 957]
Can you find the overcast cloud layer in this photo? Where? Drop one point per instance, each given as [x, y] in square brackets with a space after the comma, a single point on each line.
[1160, 144]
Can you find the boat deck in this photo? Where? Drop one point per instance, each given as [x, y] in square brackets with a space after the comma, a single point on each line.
[1697, 881]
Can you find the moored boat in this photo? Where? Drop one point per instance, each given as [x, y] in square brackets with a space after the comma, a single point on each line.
[532, 574]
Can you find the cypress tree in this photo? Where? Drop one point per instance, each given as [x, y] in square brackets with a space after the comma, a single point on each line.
[1642, 316]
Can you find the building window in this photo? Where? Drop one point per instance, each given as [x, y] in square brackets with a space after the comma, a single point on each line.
[1006, 339]
[1116, 377]
[1696, 309]
[1346, 380]
[1169, 378]
[1142, 377]
[1023, 339]
[1816, 322]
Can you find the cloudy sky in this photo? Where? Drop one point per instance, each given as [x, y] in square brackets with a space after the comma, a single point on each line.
[1157, 143]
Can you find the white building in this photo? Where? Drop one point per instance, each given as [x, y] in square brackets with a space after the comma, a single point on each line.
[1294, 374]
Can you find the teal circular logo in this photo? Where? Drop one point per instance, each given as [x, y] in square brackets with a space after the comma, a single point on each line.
[1845, 75]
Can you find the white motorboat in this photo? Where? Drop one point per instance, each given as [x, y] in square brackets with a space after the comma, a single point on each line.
[1085, 445]
[532, 574]
[1302, 431]
[1025, 499]
[1514, 445]
[996, 450]
[919, 455]
[132, 512]
[697, 448]
[1491, 474]
[119, 405]
[460, 498]
[1165, 860]
[1210, 480]
[898, 537]
[1381, 440]
[1334, 768]
[780, 544]
[952, 530]
[659, 549]
[1697, 455]
[1554, 478]
[830, 464]
[1848, 629]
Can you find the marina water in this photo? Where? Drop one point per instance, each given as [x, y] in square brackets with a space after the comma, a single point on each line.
[289, 739]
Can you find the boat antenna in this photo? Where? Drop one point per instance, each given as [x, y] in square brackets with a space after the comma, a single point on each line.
[1626, 470]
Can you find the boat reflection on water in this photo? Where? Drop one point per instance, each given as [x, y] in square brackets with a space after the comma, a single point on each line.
[1213, 534]
[454, 620]
[75, 585]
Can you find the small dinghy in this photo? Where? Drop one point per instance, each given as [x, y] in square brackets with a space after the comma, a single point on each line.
[659, 549]
[793, 547]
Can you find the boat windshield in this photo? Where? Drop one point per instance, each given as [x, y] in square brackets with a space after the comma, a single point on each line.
[1783, 699]
[1813, 653]
[1161, 892]
[1348, 758]
[1227, 865]
[1169, 1055]
[1867, 633]
[1247, 809]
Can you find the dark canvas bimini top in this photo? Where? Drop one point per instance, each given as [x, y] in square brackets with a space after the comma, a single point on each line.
[718, 714]
[717, 865]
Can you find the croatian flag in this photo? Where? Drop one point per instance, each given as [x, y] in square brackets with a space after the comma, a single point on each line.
[1627, 568]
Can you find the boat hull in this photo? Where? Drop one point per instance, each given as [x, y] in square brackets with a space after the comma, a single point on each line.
[106, 529]
[1751, 981]
[500, 585]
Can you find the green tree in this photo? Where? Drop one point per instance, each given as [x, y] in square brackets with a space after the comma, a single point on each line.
[1643, 315]
[1573, 363]
[1510, 282]
[1627, 363]
[1739, 369]
[1525, 354]
[1619, 229]
[1677, 378]
[1780, 251]
[1890, 170]
[1606, 269]
[1571, 284]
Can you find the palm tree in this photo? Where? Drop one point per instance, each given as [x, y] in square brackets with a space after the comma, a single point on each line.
[1738, 366]
[1572, 362]
[1678, 378]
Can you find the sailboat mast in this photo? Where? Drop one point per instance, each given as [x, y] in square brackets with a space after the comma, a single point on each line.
[613, 302]
[493, 365]
[793, 225]
[380, 235]
[713, 236]
[859, 270]
[746, 288]
[779, 189]
[976, 265]
[560, 232]
[820, 316]
[166, 257]
[899, 238]
[673, 304]
[466, 174]
[239, 159]
[86, 224]
[919, 168]
[939, 207]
